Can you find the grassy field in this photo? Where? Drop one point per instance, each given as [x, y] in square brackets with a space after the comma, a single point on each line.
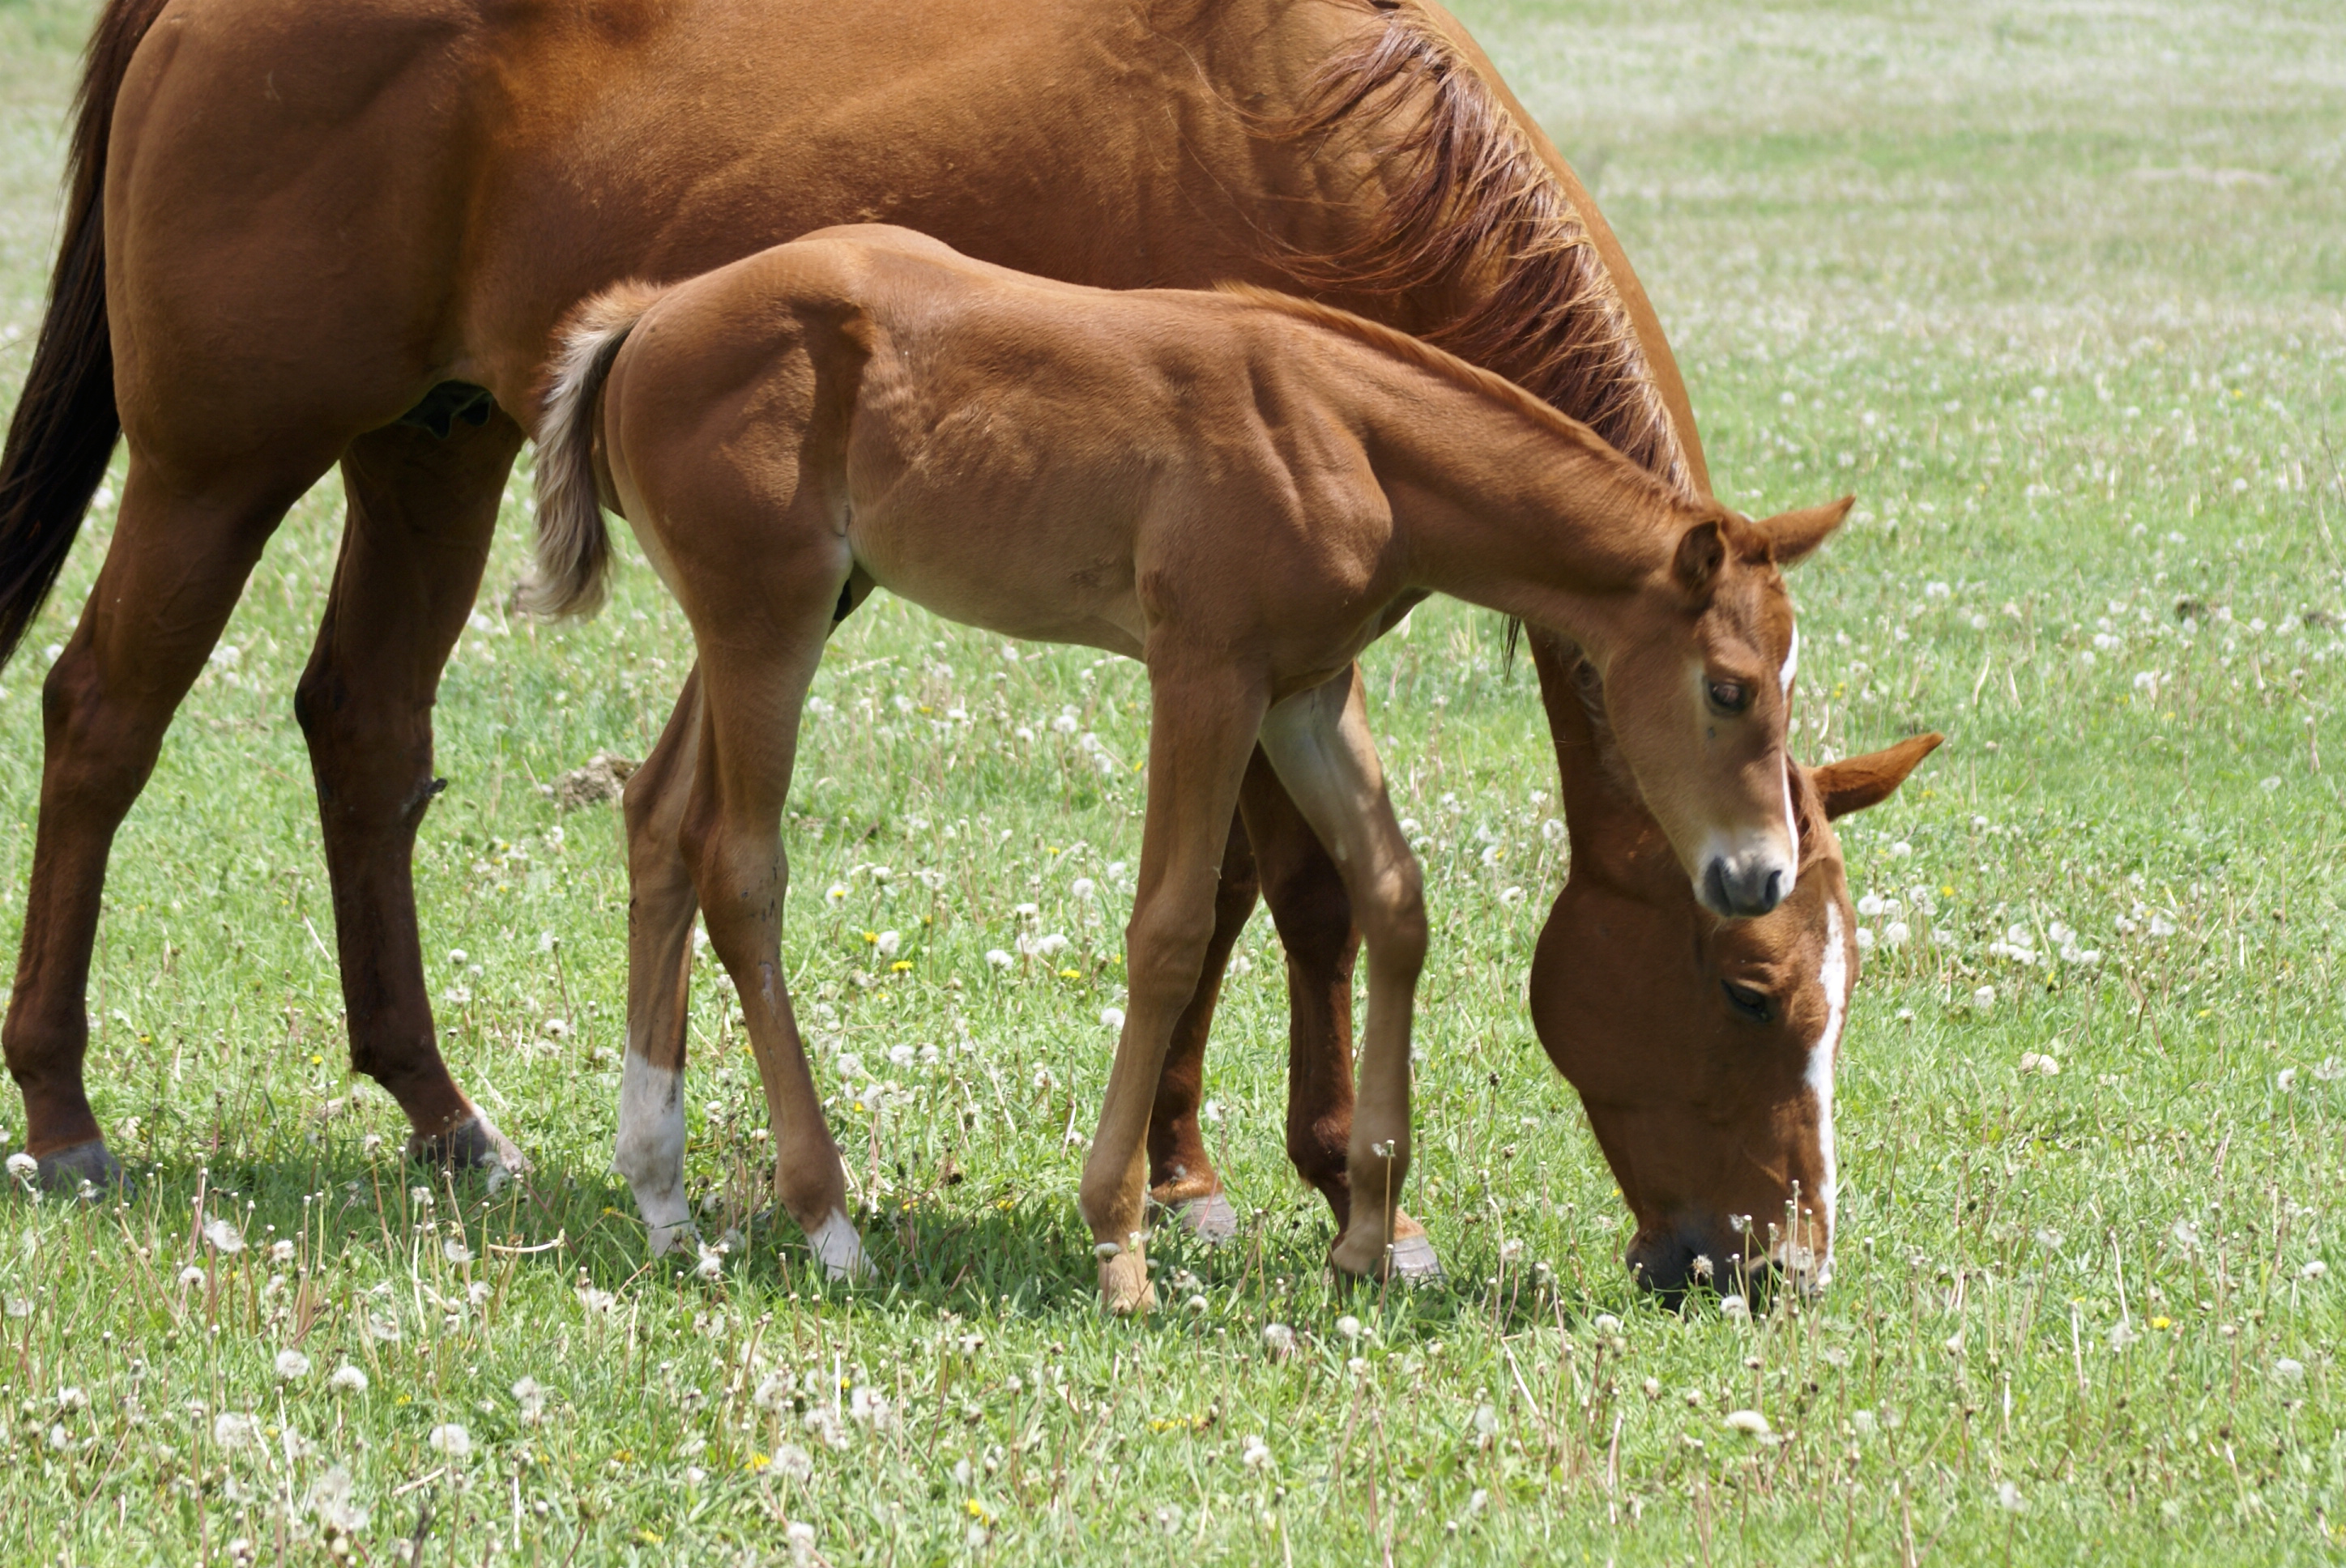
[2056, 288]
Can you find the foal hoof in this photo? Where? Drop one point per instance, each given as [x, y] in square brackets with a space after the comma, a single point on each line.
[839, 1247]
[67, 1170]
[1124, 1289]
[1209, 1219]
[473, 1143]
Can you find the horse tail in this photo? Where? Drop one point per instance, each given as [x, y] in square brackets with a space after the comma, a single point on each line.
[573, 547]
[63, 433]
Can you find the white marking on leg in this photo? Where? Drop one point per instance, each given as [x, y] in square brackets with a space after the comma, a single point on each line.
[651, 1149]
[839, 1248]
[1835, 977]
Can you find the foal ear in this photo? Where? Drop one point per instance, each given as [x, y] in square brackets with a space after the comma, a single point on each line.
[1792, 535]
[1856, 782]
[1702, 550]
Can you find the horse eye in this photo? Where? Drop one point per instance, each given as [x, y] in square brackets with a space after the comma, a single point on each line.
[1730, 696]
[1748, 1003]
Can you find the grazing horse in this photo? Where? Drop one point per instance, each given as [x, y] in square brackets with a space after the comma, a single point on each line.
[1241, 490]
[298, 235]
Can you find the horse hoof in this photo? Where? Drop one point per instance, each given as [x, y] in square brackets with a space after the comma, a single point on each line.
[1210, 1218]
[839, 1247]
[91, 1164]
[1124, 1289]
[1412, 1260]
[473, 1143]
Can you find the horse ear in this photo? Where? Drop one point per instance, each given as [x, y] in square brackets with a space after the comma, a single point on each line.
[1701, 551]
[1792, 535]
[1856, 782]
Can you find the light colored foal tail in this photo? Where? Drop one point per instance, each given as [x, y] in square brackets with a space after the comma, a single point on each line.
[574, 546]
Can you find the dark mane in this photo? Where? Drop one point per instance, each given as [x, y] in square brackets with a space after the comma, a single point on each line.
[1473, 201]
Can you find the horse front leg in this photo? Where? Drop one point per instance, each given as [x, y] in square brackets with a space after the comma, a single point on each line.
[1204, 716]
[1181, 1174]
[1319, 741]
[422, 511]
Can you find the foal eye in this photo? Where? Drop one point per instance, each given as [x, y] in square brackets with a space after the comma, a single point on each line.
[1748, 1003]
[1730, 696]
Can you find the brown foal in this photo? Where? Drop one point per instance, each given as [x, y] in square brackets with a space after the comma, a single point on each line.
[1237, 489]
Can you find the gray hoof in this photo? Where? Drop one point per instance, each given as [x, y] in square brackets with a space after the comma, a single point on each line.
[1210, 1218]
[1413, 1261]
[471, 1145]
[67, 1169]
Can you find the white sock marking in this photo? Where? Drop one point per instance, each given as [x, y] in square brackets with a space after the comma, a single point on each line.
[651, 1149]
[839, 1248]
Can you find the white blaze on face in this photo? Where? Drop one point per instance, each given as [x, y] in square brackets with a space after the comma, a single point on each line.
[1835, 978]
[651, 1149]
[1791, 664]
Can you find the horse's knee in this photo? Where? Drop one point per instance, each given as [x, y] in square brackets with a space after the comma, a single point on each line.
[1392, 915]
[1165, 951]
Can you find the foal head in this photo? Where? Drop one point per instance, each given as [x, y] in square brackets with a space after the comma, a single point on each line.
[1703, 1049]
[1703, 730]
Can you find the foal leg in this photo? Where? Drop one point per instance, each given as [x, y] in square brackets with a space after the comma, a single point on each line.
[1319, 741]
[181, 550]
[661, 907]
[1203, 721]
[752, 688]
[1181, 1174]
[421, 511]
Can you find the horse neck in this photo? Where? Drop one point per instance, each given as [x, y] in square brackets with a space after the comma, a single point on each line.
[1612, 835]
[1503, 508]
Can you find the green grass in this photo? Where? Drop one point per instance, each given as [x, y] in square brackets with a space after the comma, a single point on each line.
[2054, 289]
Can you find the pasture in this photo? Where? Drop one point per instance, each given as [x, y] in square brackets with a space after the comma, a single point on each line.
[2057, 290]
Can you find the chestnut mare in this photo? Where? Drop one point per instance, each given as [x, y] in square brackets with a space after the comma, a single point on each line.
[1241, 490]
[366, 263]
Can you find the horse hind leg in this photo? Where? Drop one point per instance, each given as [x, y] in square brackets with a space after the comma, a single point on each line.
[1181, 1174]
[649, 1151]
[177, 562]
[422, 509]
[752, 692]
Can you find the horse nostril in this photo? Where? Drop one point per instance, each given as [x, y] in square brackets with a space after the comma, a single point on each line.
[1774, 895]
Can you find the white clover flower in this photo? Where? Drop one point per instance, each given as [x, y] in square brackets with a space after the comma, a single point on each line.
[223, 1236]
[233, 1429]
[1750, 1423]
[794, 1462]
[348, 1379]
[451, 1440]
[291, 1366]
